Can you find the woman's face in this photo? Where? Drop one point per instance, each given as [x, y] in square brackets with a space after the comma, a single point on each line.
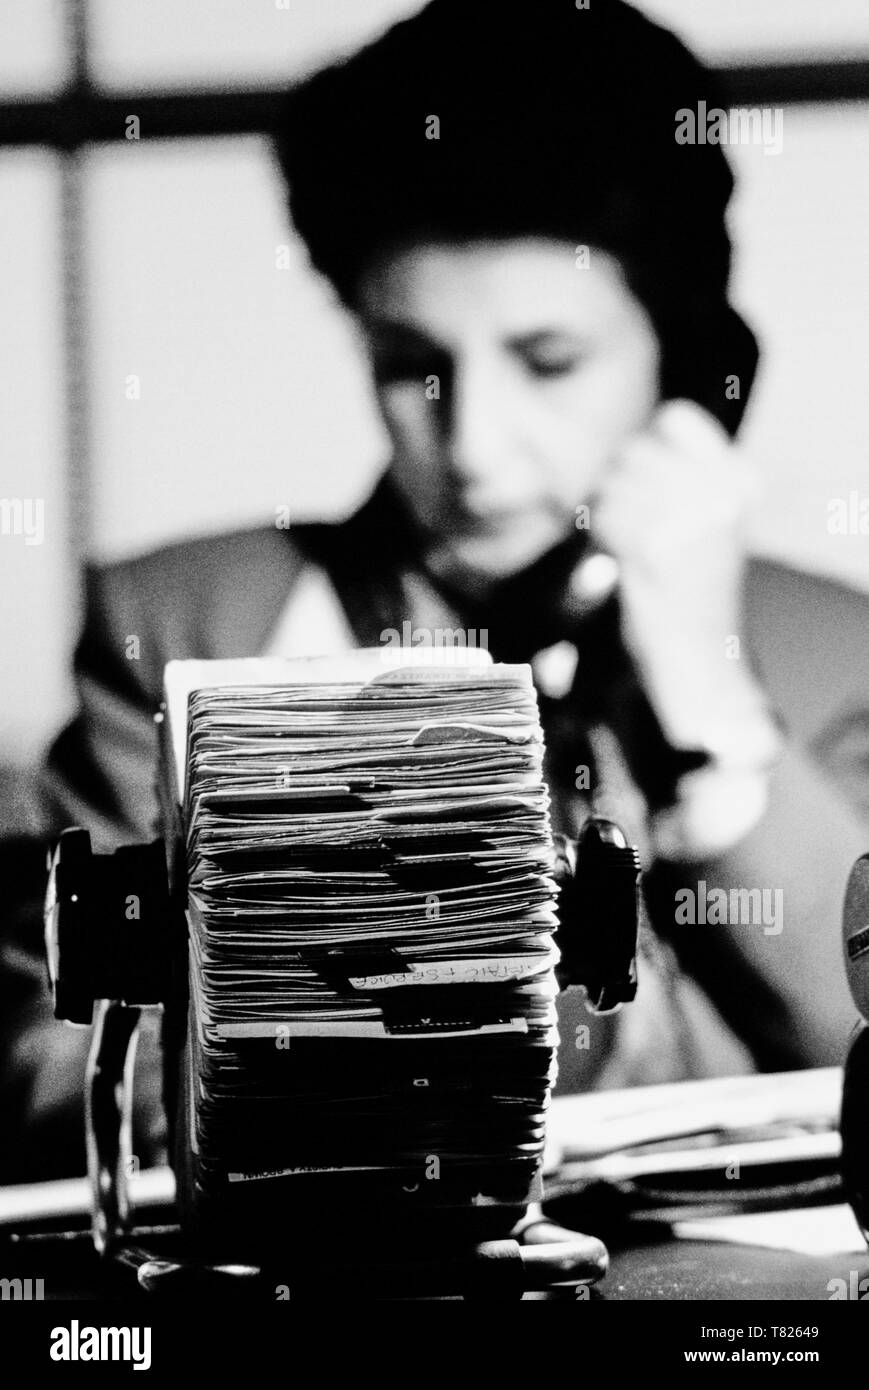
[508, 376]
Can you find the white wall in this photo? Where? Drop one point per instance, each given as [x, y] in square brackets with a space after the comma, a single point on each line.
[38, 594]
[760, 30]
[252, 394]
[801, 222]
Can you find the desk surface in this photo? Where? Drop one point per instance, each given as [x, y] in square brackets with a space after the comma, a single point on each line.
[694, 1270]
[663, 1269]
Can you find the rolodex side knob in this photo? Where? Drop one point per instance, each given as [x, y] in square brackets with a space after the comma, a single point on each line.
[599, 910]
[107, 926]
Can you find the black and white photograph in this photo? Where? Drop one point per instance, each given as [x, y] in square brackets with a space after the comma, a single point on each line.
[434, 697]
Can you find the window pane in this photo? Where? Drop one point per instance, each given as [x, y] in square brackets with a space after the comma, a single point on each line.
[225, 382]
[33, 59]
[165, 44]
[37, 620]
[782, 30]
[800, 222]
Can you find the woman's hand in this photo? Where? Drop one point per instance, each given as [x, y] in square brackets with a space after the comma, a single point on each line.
[672, 514]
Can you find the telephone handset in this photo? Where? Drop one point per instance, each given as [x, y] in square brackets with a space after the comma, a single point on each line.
[550, 600]
[572, 594]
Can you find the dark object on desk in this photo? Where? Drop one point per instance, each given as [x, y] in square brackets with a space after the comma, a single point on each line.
[855, 1093]
[538, 1256]
[101, 954]
[855, 1128]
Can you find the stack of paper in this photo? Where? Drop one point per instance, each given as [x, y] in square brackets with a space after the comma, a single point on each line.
[371, 911]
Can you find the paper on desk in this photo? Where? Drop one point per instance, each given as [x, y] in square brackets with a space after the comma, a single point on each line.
[30, 1203]
[602, 1122]
[620, 1123]
[813, 1231]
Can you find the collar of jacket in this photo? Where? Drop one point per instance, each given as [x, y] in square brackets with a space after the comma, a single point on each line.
[373, 562]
